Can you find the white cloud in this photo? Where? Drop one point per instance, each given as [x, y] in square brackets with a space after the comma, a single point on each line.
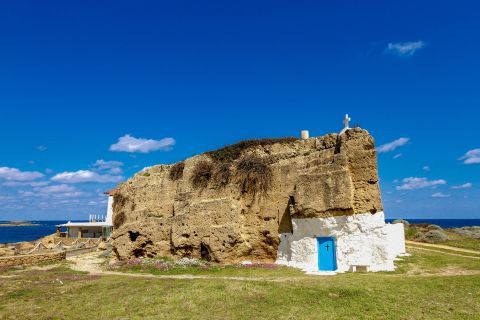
[25, 183]
[398, 155]
[440, 195]
[85, 176]
[14, 207]
[392, 145]
[418, 183]
[463, 186]
[112, 167]
[471, 157]
[127, 143]
[26, 193]
[53, 193]
[426, 168]
[74, 194]
[59, 188]
[6, 198]
[404, 49]
[41, 148]
[13, 174]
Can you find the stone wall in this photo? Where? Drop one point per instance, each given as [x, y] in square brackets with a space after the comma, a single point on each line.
[30, 259]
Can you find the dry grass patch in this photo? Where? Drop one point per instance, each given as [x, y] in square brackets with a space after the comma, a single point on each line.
[201, 175]
[234, 151]
[253, 174]
[176, 171]
[222, 174]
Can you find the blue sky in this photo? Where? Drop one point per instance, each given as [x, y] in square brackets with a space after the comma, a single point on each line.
[81, 80]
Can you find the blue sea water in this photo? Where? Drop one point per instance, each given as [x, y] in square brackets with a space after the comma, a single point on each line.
[28, 233]
[444, 223]
[44, 228]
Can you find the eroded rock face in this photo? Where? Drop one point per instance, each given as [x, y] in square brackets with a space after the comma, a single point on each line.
[325, 176]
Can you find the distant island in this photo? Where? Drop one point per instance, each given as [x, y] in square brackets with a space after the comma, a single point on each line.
[18, 224]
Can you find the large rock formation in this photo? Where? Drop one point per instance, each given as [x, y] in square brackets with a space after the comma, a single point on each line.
[160, 212]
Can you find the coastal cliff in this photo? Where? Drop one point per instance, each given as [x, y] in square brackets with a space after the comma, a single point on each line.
[231, 204]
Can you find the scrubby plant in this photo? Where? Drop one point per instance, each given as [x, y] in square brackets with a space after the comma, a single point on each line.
[176, 171]
[119, 219]
[202, 173]
[253, 174]
[119, 203]
[221, 174]
[234, 151]
[435, 236]
[405, 222]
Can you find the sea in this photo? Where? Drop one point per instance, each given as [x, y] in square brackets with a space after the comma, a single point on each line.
[28, 233]
[44, 228]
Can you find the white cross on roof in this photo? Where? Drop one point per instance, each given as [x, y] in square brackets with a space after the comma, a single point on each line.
[346, 122]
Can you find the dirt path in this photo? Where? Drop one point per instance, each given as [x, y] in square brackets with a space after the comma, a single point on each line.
[89, 262]
[441, 246]
[439, 251]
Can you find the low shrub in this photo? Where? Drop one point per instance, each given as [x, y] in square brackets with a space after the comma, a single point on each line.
[119, 219]
[234, 151]
[434, 236]
[176, 171]
[405, 222]
[221, 174]
[253, 174]
[202, 173]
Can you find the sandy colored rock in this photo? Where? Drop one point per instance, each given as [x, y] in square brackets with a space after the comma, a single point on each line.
[324, 176]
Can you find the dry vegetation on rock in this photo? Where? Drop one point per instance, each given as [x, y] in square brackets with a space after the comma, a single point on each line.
[201, 175]
[234, 151]
[176, 171]
[253, 174]
[222, 174]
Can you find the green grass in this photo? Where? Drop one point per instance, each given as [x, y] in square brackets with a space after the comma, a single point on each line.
[219, 271]
[421, 288]
[460, 241]
[422, 261]
[448, 250]
[454, 239]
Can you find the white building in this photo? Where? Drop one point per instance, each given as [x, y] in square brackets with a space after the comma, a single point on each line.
[98, 226]
[356, 242]
[342, 243]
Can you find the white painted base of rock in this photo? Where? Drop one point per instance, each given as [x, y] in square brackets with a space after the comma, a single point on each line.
[361, 240]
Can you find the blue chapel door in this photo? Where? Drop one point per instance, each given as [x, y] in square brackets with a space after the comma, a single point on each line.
[327, 260]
